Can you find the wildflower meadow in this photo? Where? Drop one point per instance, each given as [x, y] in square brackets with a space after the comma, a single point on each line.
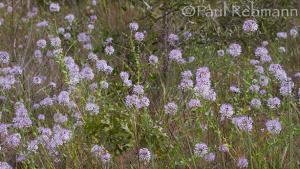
[149, 84]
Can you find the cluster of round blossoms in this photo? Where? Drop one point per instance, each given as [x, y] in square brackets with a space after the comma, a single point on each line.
[144, 155]
[101, 153]
[250, 26]
[137, 99]
[93, 71]
[201, 150]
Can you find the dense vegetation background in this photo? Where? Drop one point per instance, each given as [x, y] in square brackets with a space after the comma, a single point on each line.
[96, 123]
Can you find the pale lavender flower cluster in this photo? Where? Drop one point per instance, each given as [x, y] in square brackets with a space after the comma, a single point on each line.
[32, 145]
[61, 135]
[286, 87]
[31, 14]
[243, 123]
[186, 74]
[187, 35]
[210, 157]
[14, 70]
[78, 119]
[42, 24]
[97, 150]
[60, 118]
[242, 162]
[94, 2]
[255, 103]
[186, 81]
[224, 148]
[6, 82]
[67, 36]
[101, 65]
[263, 54]
[234, 89]
[73, 69]
[92, 108]
[137, 99]
[125, 78]
[226, 111]
[5, 165]
[38, 79]
[109, 40]
[191, 59]
[4, 57]
[273, 102]
[101, 152]
[265, 58]
[194, 103]
[221, 52]
[139, 36]
[134, 26]
[48, 101]
[13, 140]
[138, 89]
[63, 98]
[173, 38]
[93, 86]
[55, 42]
[200, 149]
[109, 50]
[38, 53]
[254, 62]
[273, 126]
[92, 56]
[70, 18]
[234, 50]
[4, 129]
[259, 69]
[61, 30]
[282, 35]
[104, 85]
[21, 119]
[176, 55]
[93, 17]
[153, 60]
[287, 84]
[91, 27]
[203, 84]
[105, 158]
[88, 46]
[87, 73]
[170, 108]
[83, 38]
[254, 88]
[265, 43]
[54, 138]
[41, 43]
[41, 117]
[294, 32]
[263, 80]
[144, 155]
[54, 7]
[250, 25]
